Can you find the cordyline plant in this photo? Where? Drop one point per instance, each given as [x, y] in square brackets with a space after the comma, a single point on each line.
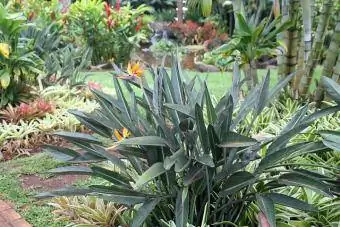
[181, 159]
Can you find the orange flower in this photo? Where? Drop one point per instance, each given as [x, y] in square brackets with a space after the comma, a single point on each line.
[135, 70]
[121, 135]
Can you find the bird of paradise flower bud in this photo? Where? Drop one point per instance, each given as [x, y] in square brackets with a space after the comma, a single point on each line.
[134, 69]
[120, 135]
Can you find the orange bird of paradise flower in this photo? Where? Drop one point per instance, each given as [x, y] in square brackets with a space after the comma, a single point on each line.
[120, 135]
[134, 69]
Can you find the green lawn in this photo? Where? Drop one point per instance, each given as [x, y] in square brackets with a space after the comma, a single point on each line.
[218, 82]
[34, 211]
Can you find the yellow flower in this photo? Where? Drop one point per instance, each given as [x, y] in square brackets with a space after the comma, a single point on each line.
[121, 135]
[135, 69]
[126, 133]
[4, 49]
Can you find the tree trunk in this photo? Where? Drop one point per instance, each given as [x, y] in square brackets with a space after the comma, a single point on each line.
[180, 15]
[250, 73]
[287, 60]
[329, 63]
[300, 70]
[307, 26]
[313, 58]
[253, 73]
[281, 36]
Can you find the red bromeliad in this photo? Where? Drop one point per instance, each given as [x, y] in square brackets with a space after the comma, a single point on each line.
[139, 23]
[107, 9]
[108, 15]
[117, 7]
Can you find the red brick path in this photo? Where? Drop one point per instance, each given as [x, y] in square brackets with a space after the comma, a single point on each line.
[10, 218]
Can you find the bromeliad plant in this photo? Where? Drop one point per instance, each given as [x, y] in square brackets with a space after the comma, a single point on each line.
[177, 166]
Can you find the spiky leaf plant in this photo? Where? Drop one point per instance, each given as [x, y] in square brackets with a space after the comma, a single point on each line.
[182, 159]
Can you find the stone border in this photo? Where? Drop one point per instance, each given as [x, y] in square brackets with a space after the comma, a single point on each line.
[10, 218]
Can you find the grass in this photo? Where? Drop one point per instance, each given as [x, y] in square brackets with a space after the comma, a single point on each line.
[218, 82]
[36, 212]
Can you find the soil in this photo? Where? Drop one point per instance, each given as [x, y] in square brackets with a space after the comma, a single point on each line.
[34, 182]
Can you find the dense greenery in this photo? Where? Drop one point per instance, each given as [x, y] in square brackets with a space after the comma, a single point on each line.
[187, 159]
[169, 146]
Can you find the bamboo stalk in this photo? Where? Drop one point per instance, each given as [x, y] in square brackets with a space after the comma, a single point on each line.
[331, 66]
[307, 26]
[288, 61]
[280, 37]
[300, 70]
[314, 57]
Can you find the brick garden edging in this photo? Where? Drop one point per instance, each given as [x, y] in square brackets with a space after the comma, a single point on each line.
[10, 218]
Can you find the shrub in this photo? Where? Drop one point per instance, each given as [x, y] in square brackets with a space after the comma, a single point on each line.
[191, 33]
[111, 33]
[183, 166]
[19, 65]
[89, 210]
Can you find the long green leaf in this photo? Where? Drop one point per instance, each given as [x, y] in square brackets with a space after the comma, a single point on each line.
[211, 114]
[236, 182]
[331, 139]
[267, 207]
[291, 202]
[180, 108]
[332, 88]
[72, 170]
[289, 153]
[65, 192]
[182, 207]
[145, 141]
[78, 137]
[155, 170]
[263, 95]
[202, 131]
[233, 139]
[143, 212]
[111, 176]
[296, 179]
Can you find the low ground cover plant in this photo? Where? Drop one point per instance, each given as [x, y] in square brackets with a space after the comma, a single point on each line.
[182, 160]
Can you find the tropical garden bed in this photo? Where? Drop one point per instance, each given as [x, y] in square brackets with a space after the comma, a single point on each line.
[113, 113]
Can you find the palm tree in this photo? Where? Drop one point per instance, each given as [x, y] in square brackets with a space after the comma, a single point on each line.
[204, 5]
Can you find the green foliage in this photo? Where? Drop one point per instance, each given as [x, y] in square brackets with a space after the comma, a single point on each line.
[64, 66]
[10, 188]
[327, 215]
[88, 210]
[25, 128]
[111, 33]
[253, 40]
[181, 166]
[158, 5]
[19, 64]
[163, 47]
